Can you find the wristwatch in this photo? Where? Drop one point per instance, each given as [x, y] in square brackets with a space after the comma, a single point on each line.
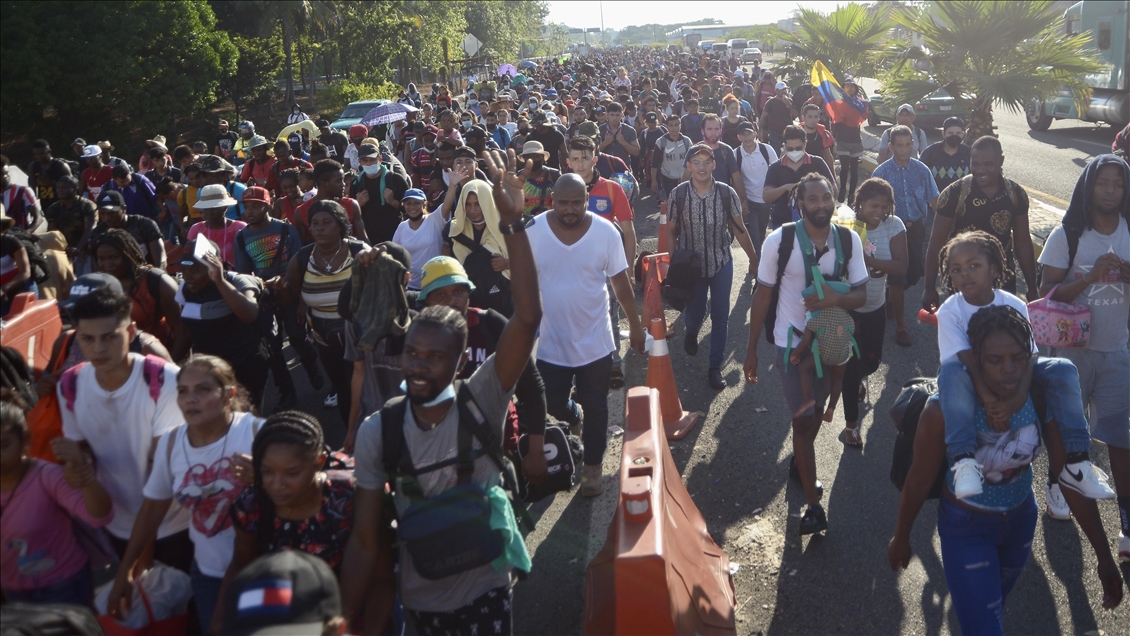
[514, 228]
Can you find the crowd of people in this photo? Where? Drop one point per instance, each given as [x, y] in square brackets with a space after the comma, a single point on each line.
[415, 265]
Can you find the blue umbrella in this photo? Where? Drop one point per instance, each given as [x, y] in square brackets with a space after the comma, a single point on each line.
[387, 113]
[528, 64]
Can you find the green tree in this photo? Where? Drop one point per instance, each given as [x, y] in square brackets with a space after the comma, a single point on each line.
[125, 66]
[502, 26]
[990, 53]
[294, 17]
[847, 40]
[254, 83]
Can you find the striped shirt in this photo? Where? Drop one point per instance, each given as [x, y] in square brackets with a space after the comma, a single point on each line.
[702, 223]
[320, 290]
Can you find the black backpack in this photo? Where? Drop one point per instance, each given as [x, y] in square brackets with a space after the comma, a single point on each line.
[1072, 250]
[784, 252]
[30, 242]
[492, 289]
[907, 410]
[51, 619]
[564, 455]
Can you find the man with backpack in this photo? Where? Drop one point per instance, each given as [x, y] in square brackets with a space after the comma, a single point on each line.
[704, 216]
[754, 159]
[378, 190]
[447, 579]
[785, 271]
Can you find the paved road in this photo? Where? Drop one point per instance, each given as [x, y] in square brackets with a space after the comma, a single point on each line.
[735, 463]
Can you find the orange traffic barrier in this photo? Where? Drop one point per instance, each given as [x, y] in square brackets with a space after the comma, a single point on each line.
[654, 270]
[31, 327]
[663, 227]
[661, 377]
[659, 572]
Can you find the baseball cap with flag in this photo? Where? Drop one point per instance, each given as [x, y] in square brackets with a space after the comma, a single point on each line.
[287, 593]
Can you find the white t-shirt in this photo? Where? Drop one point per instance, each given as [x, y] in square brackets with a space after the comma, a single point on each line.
[753, 169]
[575, 329]
[790, 306]
[423, 243]
[954, 316]
[201, 481]
[917, 134]
[1106, 298]
[120, 427]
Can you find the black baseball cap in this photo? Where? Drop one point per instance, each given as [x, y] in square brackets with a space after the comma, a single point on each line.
[287, 593]
[88, 283]
[111, 200]
[744, 126]
[655, 117]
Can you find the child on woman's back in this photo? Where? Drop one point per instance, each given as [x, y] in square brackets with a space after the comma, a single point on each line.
[973, 266]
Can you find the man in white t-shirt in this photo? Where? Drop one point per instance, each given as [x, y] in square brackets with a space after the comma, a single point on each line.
[754, 159]
[816, 199]
[115, 409]
[577, 252]
[1099, 277]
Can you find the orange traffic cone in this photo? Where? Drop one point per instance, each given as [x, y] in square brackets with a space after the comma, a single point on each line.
[654, 271]
[662, 227]
[661, 377]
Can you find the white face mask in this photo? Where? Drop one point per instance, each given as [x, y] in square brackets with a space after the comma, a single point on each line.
[472, 102]
[372, 170]
[795, 155]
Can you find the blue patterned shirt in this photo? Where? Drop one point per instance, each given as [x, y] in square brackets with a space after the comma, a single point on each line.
[914, 187]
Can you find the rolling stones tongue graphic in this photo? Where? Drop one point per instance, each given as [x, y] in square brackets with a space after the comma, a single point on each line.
[209, 493]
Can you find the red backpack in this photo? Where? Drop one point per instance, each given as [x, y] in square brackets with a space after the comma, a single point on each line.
[154, 378]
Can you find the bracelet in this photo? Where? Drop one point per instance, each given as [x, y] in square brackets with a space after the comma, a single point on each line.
[513, 228]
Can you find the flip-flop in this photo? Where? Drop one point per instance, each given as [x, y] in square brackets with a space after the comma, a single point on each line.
[852, 438]
[902, 338]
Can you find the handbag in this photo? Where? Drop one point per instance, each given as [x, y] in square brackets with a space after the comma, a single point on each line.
[564, 453]
[683, 274]
[1059, 325]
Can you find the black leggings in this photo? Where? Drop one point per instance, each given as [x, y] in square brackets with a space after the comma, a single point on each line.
[849, 167]
[870, 328]
[339, 369]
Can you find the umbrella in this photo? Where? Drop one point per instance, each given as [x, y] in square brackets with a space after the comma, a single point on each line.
[528, 64]
[387, 113]
[507, 69]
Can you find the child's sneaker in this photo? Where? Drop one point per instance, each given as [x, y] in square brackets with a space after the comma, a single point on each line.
[1086, 479]
[1124, 549]
[967, 478]
[1056, 505]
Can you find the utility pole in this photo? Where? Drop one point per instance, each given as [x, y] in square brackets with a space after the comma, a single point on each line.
[603, 35]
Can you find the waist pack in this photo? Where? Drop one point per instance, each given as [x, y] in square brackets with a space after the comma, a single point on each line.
[563, 454]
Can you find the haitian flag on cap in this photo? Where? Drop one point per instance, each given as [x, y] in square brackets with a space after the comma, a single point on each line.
[266, 597]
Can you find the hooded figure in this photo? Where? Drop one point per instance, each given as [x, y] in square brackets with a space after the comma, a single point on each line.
[491, 240]
[1078, 215]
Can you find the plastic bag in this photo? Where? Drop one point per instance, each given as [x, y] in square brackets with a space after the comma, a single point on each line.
[167, 591]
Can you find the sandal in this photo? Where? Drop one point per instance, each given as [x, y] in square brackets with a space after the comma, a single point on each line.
[616, 380]
[851, 437]
[902, 338]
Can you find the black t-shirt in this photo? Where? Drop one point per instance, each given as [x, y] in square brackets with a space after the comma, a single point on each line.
[552, 140]
[780, 174]
[44, 180]
[484, 326]
[946, 168]
[71, 221]
[994, 215]
[380, 218]
[335, 143]
[813, 144]
[847, 134]
[143, 230]
[777, 115]
[226, 142]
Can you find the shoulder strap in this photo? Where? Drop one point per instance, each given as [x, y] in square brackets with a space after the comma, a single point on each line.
[764, 152]
[785, 250]
[303, 257]
[154, 376]
[1072, 246]
[69, 384]
[844, 246]
[392, 437]
[172, 435]
[59, 353]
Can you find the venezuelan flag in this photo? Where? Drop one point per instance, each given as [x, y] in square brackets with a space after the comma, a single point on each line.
[841, 107]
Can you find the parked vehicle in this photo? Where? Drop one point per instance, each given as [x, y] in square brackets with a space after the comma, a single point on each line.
[751, 55]
[1107, 22]
[353, 113]
[721, 48]
[707, 45]
[737, 45]
[931, 112]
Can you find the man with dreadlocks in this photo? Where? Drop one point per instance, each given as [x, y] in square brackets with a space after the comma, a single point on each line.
[1087, 260]
[424, 433]
[153, 292]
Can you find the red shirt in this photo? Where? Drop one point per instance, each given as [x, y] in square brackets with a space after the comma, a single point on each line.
[302, 217]
[257, 174]
[95, 181]
[422, 161]
[607, 199]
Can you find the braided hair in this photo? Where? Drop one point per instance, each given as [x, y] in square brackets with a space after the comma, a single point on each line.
[984, 241]
[122, 241]
[994, 318]
[795, 194]
[286, 427]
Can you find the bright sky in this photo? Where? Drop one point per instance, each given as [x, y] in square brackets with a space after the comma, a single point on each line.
[620, 13]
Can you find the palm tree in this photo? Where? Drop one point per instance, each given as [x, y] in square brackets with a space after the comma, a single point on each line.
[1010, 54]
[290, 16]
[846, 41]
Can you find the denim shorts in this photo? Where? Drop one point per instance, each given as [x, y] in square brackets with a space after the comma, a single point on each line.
[791, 387]
[1103, 378]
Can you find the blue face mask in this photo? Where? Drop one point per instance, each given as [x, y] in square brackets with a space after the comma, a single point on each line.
[372, 170]
[444, 395]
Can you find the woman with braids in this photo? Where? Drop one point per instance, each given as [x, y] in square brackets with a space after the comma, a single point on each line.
[153, 292]
[194, 464]
[315, 276]
[973, 264]
[986, 538]
[290, 196]
[884, 252]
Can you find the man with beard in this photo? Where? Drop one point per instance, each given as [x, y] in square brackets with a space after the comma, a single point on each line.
[428, 424]
[816, 199]
[726, 168]
[1088, 257]
[577, 253]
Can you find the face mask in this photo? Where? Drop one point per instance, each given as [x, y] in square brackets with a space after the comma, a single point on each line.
[472, 102]
[953, 141]
[444, 395]
[795, 155]
[372, 170]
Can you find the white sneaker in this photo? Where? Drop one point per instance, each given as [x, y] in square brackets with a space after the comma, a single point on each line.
[1124, 549]
[967, 478]
[1086, 479]
[1056, 504]
[331, 401]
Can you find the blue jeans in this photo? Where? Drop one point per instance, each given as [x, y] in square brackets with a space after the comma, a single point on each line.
[757, 222]
[206, 593]
[592, 393]
[77, 590]
[776, 141]
[718, 286]
[1057, 376]
[983, 553]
